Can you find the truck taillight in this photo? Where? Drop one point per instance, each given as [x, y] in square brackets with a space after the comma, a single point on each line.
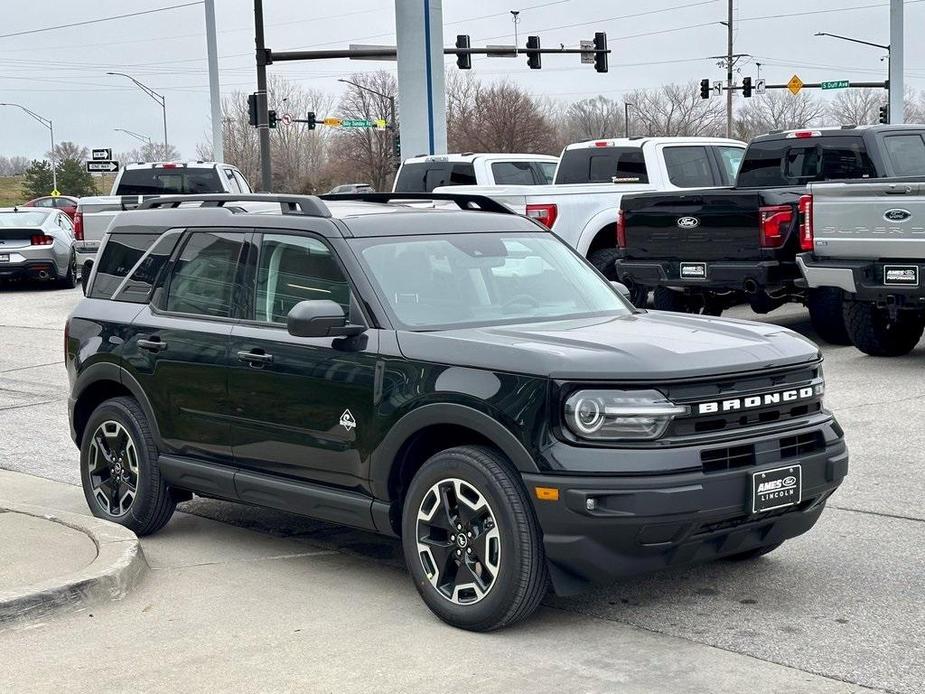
[775, 223]
[621, 228]
[41, 240]
[544, 213]
[806, 222]
[79, 225]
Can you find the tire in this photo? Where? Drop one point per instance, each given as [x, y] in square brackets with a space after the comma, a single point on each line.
[69, 281]
[826, 314]
[151, 504]
[666, 299]
[603, 259]
[500, 530]
[754, 553]
[873, 332]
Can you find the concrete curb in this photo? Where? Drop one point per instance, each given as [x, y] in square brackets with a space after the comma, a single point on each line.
[118, 567]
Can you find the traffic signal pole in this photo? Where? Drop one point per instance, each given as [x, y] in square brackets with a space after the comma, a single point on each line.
[897, 90]
[263, 114]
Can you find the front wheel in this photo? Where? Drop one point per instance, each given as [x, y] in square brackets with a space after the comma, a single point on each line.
[471, 541]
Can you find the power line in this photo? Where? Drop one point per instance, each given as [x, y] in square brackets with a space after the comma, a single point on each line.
[97, 21]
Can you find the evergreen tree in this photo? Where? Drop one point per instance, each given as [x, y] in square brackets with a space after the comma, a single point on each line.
[74, 179]
[38, 179]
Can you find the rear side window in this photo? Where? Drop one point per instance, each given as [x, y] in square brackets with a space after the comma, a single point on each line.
[689, 167]
[204, 276]
[120, 254]
[169, 181]
[423, 177]
[137, 289]
[907, 154]
[602, 165]
[514, 173]
[793, 162]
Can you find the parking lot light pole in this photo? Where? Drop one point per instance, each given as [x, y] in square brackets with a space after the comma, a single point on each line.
[140, 138]
[51, 129]
[391, 113]
[159, 98]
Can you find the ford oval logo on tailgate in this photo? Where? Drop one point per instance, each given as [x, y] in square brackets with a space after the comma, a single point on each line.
[688, 223]
[897, 215]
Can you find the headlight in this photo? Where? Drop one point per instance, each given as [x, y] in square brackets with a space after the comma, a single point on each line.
[620, 414]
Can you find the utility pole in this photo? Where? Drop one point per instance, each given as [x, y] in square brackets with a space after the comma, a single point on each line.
[218, 145]
[729, 59]
[897, 87]
[263, 116]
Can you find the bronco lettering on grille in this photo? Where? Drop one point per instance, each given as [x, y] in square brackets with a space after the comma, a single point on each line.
[765, 400]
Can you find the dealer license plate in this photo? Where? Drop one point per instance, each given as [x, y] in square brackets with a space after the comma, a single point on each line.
[693, 271]
[772, 489]
[901, 275]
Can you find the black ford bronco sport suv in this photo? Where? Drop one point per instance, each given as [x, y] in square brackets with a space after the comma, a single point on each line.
[447, 372]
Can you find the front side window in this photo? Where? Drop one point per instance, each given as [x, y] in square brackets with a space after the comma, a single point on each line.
[296, 268]
[203, 279]
[688, 167]
[445, 281]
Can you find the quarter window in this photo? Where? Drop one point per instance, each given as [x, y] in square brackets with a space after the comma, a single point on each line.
[203, 279]
[293, 269]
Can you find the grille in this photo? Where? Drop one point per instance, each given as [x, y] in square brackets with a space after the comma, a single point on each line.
[802, 444]
[746, 519]
[719, 459]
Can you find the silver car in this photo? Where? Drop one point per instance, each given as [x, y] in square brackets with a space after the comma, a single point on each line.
[37, 243]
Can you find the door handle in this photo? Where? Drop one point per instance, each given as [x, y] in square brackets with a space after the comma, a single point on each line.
[154, 344]
[255, 358]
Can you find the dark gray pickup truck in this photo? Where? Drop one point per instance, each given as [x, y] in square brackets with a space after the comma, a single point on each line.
[703, 251]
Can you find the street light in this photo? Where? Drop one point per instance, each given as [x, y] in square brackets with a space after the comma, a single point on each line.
[159, 98]
[51, 129]
[626, 118]
[865, 43]
[140, 138]
[391, 113]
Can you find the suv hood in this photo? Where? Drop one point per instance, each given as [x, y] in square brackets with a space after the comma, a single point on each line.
[643, 346]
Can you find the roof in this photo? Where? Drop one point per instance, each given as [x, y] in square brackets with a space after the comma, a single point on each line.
[471, 156]
[640, 141]
[835, 130]
[175, 164]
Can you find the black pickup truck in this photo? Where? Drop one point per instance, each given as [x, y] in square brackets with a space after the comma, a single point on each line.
[703, 251]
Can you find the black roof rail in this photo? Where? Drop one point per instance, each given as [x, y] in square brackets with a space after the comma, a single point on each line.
[308, 205]
[465, 201]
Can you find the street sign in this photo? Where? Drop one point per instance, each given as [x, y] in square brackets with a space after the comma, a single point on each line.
[379, 124]
[101, 154]
[333, 122]
[761, 86]
[286, 119]
[718, 88]
[356, 123]
[587, 58]
[795, 85]
[102, 166]
[55, 193]
[835, 84]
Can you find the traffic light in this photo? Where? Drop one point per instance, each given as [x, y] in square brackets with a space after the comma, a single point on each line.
[746, 87]
[600, 44]
[704, 89]
[463, 60]
[534, 57]
[252, 109]
[396, 146]
[885, 114]
[311, 120]
[271, 118]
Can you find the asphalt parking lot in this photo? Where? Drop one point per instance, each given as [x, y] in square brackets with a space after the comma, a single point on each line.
[844, 601]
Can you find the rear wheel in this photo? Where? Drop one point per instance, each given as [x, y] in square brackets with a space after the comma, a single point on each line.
[667, 299]
[69, 281]
[471, 542]
[825, 311]
[873, 331]
[603, 259]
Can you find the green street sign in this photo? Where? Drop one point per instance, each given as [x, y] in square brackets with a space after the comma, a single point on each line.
[837, 84]
[356, 123]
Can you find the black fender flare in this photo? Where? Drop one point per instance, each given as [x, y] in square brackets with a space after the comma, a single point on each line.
[383, 457]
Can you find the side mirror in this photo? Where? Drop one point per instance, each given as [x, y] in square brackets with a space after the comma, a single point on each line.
[622, 288]
[320, 318]
[85, 270]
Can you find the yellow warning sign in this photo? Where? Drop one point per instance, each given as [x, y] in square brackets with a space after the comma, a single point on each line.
[795, 85]
[379, 123]
[332, 121]
[55, 193]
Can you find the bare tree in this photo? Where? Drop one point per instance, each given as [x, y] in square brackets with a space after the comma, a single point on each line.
[597, 117]
[69, 151]
[13, 166]
[777, 110]
[856, 106]
[675, 109]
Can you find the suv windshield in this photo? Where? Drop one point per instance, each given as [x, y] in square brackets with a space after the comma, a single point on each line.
[470, 280]
[169, 181]
[789, 162]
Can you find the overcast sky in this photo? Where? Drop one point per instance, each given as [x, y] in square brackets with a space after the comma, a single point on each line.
[61, 74]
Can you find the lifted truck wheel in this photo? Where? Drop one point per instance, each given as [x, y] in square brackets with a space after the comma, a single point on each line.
[825, 311]
[667, 299]
[875, 333]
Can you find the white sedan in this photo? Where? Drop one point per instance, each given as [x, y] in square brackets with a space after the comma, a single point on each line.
[37, 243]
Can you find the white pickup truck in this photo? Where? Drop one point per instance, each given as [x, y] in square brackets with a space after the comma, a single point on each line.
[136, 182]
[583, 204]
[424, 174]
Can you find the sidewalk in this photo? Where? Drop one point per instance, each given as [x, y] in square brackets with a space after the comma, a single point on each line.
[228, 609]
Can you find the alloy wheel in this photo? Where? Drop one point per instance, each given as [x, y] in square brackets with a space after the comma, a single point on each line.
[458, 541]
[113, 468]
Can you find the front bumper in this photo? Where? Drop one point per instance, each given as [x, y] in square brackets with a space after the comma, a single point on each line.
[863, 279]
[639, 524]
[723, 275]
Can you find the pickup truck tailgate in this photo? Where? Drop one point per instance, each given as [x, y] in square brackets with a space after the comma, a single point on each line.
[715, 225]
[872, 220]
